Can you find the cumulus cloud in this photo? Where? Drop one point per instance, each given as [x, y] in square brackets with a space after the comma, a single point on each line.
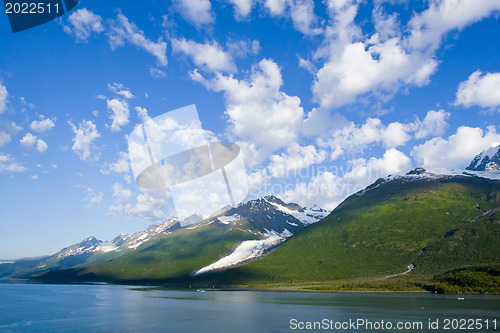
[9, 164]
[41, 146]
[196, 12]
[121, 165]
[122, 30]
[85, 134]
[242, 8]
[329, 187]
[148, 205]
[303, 17]
[295, 159]
[119, 113]
[480, 89]
[362, 68]
[3, 98]
[354, 138]
[42, 125]
[82, 23]
[258, 111]
[457, 150]
[275, 7]
[392, 57]
[209, 56]
[120, 89]
[430, 26]
[434, 124]
[29, 141]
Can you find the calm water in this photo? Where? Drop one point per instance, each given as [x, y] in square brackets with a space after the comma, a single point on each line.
[110, 308]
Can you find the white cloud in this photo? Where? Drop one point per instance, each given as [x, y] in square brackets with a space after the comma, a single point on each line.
[242, 8]
[148, 205]
[434, 124]
[458, 150]
[3, 98]
[119, 113]
[353, 139]
[242, 48]
[85, 134]
[157, 73]
[26, 103]
[196, 12]
[480, 89]
[120, 166]
[362, 68]
[303, 17]
[93, 197]
[328, 188]
[28, 141]
[122, 30]
[275, 7]
[41, 146]
[258, 112]
[120, 89]
[83, 23]
[429, 27]
[208, 56]
[9, 164]
[295, 159]
[391, 58]
[307, 65]
[42, 125]
[4, 138]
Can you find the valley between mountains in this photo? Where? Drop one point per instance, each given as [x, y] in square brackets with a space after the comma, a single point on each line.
[425, 230]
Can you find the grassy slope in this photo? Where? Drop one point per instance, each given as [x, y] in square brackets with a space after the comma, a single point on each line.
[382, 232]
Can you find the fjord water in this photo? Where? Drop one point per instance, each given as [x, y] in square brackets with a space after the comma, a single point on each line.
[115, 308]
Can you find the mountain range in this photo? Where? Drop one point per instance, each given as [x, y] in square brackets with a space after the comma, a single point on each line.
[426, 229]
[257, 226]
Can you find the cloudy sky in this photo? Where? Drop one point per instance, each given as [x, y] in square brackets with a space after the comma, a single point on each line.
[322, 97]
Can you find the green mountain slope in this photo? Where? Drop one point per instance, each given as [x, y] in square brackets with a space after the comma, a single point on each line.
[172, 257]
[428, 222]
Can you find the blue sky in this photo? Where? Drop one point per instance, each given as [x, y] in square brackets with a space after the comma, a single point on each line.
[322, 97]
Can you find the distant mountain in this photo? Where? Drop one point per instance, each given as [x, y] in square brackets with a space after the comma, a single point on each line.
[267, 222]
[487, 160]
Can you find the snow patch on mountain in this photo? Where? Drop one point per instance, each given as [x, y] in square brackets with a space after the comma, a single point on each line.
[272, 233]
[106, 247]
[229, 219]
[306, 215]
[246, 251]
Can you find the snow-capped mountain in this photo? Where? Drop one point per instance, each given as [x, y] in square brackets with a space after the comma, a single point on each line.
[271, 216]
[487, 160]
[87, 246]
[133, 241]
